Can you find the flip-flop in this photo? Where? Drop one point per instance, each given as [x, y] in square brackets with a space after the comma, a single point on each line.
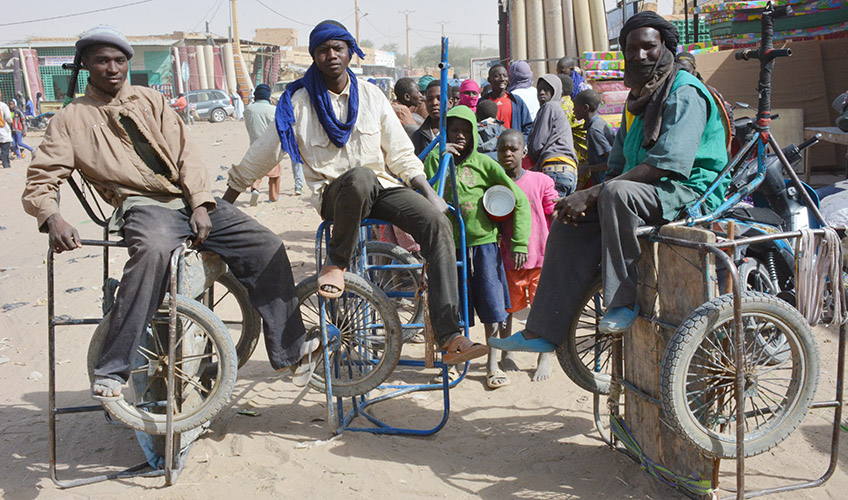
[303, 370]
[517, 342]
[108, 383]
[462, 349]
[497, 379]
[453, 376]
[331, 281]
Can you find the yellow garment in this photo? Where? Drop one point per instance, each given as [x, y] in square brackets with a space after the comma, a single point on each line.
[88, 136]
[578, 134]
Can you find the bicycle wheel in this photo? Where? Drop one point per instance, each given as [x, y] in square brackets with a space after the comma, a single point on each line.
[363, 332]
[205, 371]
[755, 277]
[698, 373]
[399, 285]
[585, 354]
[228, 299]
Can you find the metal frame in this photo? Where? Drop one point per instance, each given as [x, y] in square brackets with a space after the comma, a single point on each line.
[173, 463]
[766, 55]
[341, 420]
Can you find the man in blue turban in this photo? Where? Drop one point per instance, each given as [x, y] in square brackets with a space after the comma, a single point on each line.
[354, 150]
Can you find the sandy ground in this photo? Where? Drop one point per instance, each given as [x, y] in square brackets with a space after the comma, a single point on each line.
[526, 440]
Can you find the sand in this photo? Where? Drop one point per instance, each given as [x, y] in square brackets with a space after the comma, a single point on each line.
[526, 440]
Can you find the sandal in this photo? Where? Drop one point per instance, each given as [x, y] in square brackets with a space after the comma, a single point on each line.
[453, 376]
[303, 370]
[331, 281]
[110, 385]
[462, 349]
[497, 379]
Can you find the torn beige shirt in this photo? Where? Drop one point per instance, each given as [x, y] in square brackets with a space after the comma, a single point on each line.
[88, 136]
[378, 142]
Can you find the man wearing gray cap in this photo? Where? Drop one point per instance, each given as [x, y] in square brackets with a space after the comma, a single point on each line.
[134, 149]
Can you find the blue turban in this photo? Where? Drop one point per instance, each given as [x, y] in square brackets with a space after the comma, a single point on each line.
[262, 92]
[337, 131]
[329, 31]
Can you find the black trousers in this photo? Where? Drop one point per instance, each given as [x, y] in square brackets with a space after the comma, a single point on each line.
[573, 255]
[357, 195]
[255, 255]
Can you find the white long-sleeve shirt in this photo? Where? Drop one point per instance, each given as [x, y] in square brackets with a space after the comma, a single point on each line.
[377, 141]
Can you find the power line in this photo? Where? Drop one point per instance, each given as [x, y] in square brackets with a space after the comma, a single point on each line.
[453, 32]
[76, 14]
[260, 2]
[367, 20]
[206, 16]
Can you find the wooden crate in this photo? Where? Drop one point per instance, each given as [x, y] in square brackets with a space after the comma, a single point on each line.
[671, 295]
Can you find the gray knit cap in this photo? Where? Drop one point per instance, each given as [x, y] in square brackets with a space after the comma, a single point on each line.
[104, 34]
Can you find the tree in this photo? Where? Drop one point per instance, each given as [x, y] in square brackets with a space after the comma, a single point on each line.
[390, 47]
[367, 44]
[459, 57]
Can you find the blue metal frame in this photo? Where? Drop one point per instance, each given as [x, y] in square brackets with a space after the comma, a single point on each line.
[339, 418]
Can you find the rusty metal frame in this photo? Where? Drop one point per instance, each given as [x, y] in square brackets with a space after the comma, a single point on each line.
[170, 472]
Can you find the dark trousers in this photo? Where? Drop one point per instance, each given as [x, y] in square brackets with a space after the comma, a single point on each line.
[5, 148]
[255, 255]
[357, 195]
[606, 238]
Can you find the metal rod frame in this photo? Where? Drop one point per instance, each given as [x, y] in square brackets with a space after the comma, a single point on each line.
[341, 420]
[170, 472]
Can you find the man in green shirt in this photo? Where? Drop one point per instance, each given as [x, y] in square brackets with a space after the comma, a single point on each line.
[668, 151]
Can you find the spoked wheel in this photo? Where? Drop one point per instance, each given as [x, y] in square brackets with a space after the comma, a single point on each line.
[585, 354]
[399, 285]
[363, 331]
[698, 373]
[205, 370]
[228, 299]
[755, 276]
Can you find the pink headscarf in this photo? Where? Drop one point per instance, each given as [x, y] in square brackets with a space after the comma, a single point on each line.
[469, 101]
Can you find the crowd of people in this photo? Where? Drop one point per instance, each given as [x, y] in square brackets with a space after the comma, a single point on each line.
[580, 189]
[13, 127]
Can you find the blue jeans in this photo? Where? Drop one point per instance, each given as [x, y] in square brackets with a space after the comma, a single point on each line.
[564, 182]
[4, 154]
[18, 142]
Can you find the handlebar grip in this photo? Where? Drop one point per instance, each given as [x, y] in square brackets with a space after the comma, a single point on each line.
[745, 54]
[809, 142]
[783, 11]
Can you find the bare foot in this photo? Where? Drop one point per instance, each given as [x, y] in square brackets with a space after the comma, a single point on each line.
[544, 367]
[104, 389]
[331, 281]
[508, 362]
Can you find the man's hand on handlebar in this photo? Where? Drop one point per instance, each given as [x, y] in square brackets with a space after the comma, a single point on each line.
[62, 235]
[420, 184]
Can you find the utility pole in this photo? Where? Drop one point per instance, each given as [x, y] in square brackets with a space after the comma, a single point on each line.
[356, 16]
[443, 23]
[407, 13]
[480, 37]
[236, 39]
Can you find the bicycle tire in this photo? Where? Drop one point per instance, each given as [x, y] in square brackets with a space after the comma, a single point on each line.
[705, 336]
[397, 284]
[246, 331]
[585, 354]
[363, 356]
[214, 371]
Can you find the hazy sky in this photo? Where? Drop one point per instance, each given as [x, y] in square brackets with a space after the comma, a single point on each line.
[382, 24]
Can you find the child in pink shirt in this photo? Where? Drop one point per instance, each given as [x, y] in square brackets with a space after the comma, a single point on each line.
[540, 190]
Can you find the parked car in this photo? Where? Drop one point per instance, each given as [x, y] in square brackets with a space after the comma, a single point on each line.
[278, 89]
[210, 104]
